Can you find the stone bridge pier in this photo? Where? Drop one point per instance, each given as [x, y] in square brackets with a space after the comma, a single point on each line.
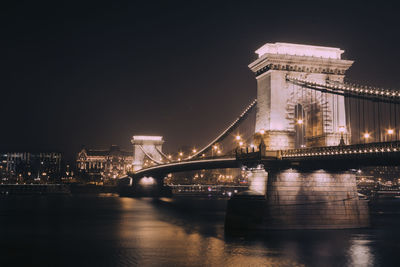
[291, 198]
[313, 200]
[290, 116]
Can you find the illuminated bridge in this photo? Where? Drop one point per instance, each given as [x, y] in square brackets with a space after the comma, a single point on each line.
[344, 157]
[311, 127]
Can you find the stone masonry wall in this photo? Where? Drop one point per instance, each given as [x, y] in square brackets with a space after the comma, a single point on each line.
[313, 200]
[276, 140]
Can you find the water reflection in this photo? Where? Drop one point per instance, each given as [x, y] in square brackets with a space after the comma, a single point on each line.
[112, 231]
[360, 252]
[179, 236]
[193, 233]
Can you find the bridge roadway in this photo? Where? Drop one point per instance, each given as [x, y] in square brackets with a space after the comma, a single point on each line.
[328, 158]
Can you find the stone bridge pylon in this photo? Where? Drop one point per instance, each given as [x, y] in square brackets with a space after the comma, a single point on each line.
[284, 109]
[145, 146]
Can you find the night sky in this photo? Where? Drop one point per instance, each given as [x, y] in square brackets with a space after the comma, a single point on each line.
[96, 73]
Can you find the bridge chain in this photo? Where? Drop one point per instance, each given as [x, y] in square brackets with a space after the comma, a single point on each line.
[383, 95]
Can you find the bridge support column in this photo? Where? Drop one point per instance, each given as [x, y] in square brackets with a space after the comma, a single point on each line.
[313, 200]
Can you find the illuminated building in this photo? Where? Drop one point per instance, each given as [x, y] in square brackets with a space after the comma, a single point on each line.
[284, 111]
[107, 164]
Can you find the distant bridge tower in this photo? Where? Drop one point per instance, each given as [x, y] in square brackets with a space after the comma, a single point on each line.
[281, 103]
[146, 147]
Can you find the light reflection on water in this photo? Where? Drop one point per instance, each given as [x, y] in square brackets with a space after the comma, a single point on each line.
[168, 239]
[112, 231]
[360, 252]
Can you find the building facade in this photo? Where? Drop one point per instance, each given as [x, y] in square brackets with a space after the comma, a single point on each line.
[104, 164]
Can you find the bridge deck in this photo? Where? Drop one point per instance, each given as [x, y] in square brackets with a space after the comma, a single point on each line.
[340, 157]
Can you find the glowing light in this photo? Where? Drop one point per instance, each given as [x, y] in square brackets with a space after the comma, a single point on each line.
[194, 150]
[180, 153]
[299, 121]
[240, 143]
[238, 137]
[262, 131]
[390, 131]
[367, 135]
[215, 147]
[147, 138]
[219, 151]
[147, 181]
[299, 50]
[169, 156]
[342, 129]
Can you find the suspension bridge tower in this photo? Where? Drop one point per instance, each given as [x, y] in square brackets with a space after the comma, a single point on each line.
[145, 146]
[288, 115]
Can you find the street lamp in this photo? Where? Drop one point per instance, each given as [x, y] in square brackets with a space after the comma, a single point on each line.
[366, 136]
[215, 148]
[390, 132]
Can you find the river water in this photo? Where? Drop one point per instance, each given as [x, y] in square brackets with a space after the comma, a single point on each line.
[107, 230]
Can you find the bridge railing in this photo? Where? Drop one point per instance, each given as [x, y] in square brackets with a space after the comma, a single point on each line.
[367, 148]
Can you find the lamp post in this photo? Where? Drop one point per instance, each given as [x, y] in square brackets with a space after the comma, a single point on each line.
[215, 148]
[390, 132]
[366, 137]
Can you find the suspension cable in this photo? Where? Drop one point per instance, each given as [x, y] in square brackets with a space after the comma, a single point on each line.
[150, 157]
[227, 131]
[352, 91]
